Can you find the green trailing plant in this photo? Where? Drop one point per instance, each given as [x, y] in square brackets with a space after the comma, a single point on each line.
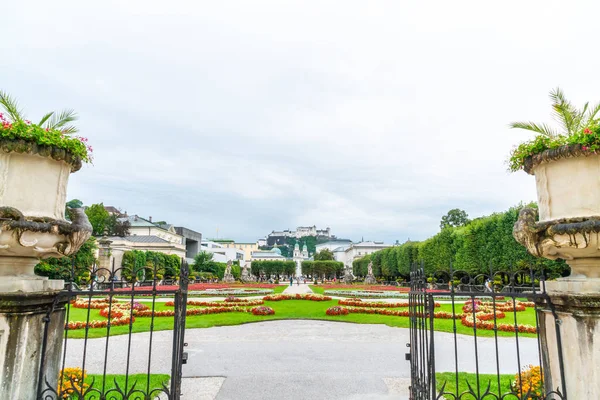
[579, 131]
[54, 130]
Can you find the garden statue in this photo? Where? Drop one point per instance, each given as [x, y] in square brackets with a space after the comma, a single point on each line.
[370, 278]
[228, 277]
[246, 275]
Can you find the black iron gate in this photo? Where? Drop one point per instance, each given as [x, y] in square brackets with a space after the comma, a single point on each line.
[462, 348]
[101, 355]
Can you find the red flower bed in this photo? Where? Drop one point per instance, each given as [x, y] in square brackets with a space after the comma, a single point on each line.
[191, 311]
[374, 304]
[297, 296]
[337, 310]
[262, 310]
[241, 303]
[202, 286]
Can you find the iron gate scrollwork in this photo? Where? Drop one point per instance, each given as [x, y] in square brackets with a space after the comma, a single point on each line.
[486, 340]
[103, 307]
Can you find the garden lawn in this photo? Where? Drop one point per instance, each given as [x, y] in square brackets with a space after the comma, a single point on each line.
[449, 378]
[139, 380]
[317, 289]
[289, 309]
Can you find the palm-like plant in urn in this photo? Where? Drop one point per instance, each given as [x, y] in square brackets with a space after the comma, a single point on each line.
[36, 160]
[566, 166]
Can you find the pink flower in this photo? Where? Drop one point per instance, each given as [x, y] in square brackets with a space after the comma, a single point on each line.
[584, 148]
[587, 131]
[28, 122]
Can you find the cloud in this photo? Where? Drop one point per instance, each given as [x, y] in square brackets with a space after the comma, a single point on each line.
[372, 118]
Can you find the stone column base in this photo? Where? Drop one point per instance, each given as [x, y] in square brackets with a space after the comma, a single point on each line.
[577, 306]
[22, 329]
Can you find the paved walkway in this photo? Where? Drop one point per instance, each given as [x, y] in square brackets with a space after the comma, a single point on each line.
[296, 359]
[295, 288]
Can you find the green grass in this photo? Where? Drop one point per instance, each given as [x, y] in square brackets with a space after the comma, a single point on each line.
[449, 378]
[113, 385]
[279, 289]
[289, 309]
[317, 289]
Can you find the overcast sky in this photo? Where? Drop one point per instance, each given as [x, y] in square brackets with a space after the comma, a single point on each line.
[371, 117]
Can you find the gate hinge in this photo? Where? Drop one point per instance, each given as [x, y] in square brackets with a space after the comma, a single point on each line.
[407, 356]
[184, 357]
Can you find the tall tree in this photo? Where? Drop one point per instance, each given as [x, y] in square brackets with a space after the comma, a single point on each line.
[455, 217]
[203, 262]
[324, 255]
[99, 218]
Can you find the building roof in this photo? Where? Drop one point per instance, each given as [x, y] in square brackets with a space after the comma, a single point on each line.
[137, 221]
[266, 254]
[335, 241]
[112, 210]
[370, 243]
[145, 239]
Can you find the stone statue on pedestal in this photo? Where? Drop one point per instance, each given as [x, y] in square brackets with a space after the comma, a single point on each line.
[370, 278]
[247, 276]
[228, 277]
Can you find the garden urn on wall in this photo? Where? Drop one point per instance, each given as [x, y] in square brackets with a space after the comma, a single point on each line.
[566, 167]
[35, 163]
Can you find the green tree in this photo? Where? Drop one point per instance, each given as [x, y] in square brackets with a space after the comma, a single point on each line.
[203, 262]
[571, 119]
[455, 217]
[99, 218]
[324, 255]
[73, 268]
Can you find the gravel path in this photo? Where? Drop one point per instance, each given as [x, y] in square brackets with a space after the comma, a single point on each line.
[298, 359]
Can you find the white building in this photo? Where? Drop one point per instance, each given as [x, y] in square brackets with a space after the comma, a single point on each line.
[145, 227]
[358, 250]
[268, 255]
[300, 256]
[222, 253]
[334, 244]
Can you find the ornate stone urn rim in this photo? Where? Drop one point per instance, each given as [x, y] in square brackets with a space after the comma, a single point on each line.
[566, 151]
[30, 147]
[13, 219]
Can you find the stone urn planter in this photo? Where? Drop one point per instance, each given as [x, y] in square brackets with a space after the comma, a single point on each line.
[33, 187]
[568, 192]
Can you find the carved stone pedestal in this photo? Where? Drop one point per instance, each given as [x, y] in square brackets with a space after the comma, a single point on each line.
[22, 333]
[577, 305]
[370, 280]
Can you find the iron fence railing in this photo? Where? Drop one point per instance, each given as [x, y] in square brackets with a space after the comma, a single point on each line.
[467, 336]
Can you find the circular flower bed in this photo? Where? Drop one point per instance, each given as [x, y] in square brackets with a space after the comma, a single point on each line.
[337, 310]
[297, 296]
[263, 310]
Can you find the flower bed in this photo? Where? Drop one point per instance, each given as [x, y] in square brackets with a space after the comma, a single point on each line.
[360, 303]
[376, 288]
[478, 313]
[366, 293]
[262, 310]
[337, 310]
[232, 292]
[398, 313]
[192, 311]
[297, 296]
[219, 303]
